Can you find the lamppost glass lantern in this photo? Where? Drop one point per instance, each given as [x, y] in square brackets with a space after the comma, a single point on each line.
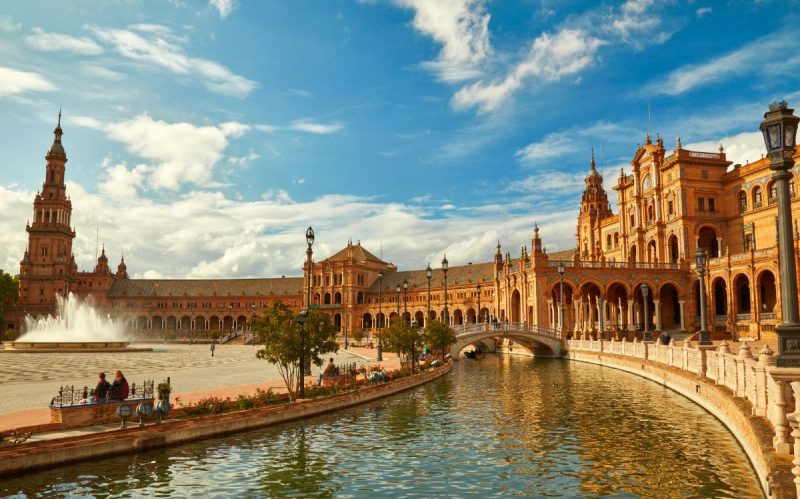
[444, 263]
[779, 128]
[561, 269]
[310, 236]
[700, 260]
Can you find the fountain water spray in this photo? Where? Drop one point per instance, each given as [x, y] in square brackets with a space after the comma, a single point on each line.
[75, 321]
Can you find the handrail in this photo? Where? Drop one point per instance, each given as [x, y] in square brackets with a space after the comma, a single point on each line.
[515, 327]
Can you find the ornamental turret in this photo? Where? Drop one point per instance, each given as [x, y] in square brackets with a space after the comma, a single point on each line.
[122, 269]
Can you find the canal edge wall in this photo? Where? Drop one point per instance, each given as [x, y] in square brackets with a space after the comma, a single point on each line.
[753, 433]
[49, 453]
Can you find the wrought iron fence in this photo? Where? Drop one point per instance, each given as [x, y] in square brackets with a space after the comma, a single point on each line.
[70, 395]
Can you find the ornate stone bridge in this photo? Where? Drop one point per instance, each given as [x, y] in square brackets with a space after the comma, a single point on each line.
[541, 340]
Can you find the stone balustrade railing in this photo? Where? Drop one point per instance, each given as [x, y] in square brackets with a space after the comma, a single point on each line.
[773, 392]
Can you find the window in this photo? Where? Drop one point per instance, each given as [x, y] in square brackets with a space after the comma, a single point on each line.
[670, 207]
[757, 197]
[633, 221]
[44, 250]
[701, 204]
[773, 193]
[711, 206]
[608, 241]
[646, 183]
[742, 202]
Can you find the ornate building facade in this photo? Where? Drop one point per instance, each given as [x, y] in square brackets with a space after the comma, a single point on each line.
[671, 203]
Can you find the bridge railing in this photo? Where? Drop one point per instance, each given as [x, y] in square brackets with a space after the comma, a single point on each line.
[506, 327]
[773, 392]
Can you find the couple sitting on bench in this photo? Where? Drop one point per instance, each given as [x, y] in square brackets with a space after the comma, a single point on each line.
[330, 371]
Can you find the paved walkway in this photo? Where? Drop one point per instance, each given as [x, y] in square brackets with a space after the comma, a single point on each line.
[194, 375]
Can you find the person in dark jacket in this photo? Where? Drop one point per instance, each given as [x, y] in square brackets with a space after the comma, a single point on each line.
[119, 389]
[102, 388]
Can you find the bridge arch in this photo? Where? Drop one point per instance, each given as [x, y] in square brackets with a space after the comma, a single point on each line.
[543, 342]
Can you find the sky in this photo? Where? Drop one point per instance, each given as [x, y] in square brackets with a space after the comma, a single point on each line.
[204, 136]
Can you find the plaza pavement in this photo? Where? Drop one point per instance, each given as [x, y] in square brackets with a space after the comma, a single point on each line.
[28, 381]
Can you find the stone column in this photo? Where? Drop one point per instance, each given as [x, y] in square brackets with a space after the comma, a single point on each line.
[601, 309]
[781, 439]
[575, 313]
[630, 314]
[657, 306]
[619, 314]
[681, 305]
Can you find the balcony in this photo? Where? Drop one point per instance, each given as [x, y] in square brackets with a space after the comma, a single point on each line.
[704, 213]
[743, 317]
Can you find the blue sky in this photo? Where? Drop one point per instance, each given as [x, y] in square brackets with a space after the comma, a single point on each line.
[204, 136]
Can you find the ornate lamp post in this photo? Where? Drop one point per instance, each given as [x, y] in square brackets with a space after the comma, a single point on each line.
[398, 300]
[700, 259]
[780, 133]
[301, 320]
[405, 299]
[379, 356]
[444, 268]
[561, 297]
[413, 344]
[645, 295]
[310, 265]
[478, 289]
[429, 276]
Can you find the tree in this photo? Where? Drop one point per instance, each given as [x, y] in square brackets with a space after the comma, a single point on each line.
[358, 336]
[278, 329]
[439, 336]
[399, 338]
[9, 293]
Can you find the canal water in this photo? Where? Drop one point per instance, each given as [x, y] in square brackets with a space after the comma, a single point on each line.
[496, 427]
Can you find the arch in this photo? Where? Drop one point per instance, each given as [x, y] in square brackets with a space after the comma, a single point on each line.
[772, 193]
[360, 297]
[540, 346]
[670, 307]
[672, 243]
[157, 322]
[227, 323]
[742, 201]
[720, 294]
[337, 321]
[172, 322]
[241, 322]
[419, 317]
[458, 317]
[141, 323]
[652, 253]
[316, 298]
[200, 323]
[617, 297]
[213, 323]
[186, 323]
[632, 253]
[707, 239]
[767, 295]
[327, 299]
[755, 196]
[484, 315]
[366, 321]
[741, 285]
[337, 298]
[638, 305]
[380, 320]
[616, 239]
[651, 212]
[471, 316]
[516, 306]
[407, 317]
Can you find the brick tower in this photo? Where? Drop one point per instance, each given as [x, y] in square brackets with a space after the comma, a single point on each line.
[47, 268]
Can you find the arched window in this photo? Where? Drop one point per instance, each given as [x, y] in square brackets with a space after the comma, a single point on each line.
[651, 212]
[633, 221]
[608, 241]
[646, 183]
[742, 201]
[616, 239]
[772, 193]
[757, 197]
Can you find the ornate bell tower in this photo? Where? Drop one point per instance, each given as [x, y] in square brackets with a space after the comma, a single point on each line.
[47, 269]
[594, 208]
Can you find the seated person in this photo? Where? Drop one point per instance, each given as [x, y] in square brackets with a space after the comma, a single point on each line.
[330, 370]
[102, 388]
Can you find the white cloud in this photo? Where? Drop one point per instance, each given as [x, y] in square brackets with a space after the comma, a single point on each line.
[59, 42]
[552, 146]
[181, 153]
[557, 144]
[551, 58]
[224, 7]
[8, 24]
[740, 148]
[14, 82]
[636, 24]
[749, 59]
[550, 181]
[702, 11]
[306, 126]
[461, 27]
[153, 46]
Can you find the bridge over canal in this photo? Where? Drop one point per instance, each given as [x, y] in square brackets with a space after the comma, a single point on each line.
[543, 341]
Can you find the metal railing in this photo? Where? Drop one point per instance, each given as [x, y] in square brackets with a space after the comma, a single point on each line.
[515, 327]
[615, 265]
[69, 395]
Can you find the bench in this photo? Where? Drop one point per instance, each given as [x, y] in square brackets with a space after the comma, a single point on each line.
[90, 414]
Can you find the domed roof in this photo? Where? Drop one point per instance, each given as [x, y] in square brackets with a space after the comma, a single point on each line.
[57, 149]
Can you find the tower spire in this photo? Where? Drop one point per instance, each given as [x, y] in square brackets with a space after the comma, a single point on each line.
[593, 166]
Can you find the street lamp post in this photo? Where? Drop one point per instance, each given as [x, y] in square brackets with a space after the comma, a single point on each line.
[301, 319]
[413, 344]
[780, 133]
[444, 268]
[379, 356]
[405, 299]
[398, 301]
[561, 297]
[700, 259]
[309, 265]
[645, 295]
[429, 276]
[478, 289]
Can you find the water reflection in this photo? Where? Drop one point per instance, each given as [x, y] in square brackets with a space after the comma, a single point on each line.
[494, 428]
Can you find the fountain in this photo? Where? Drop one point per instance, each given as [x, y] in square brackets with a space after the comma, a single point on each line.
[77, 326]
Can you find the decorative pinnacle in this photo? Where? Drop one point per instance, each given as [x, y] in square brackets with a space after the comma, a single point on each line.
[778, 105]
[59, 116]
[593, 159]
